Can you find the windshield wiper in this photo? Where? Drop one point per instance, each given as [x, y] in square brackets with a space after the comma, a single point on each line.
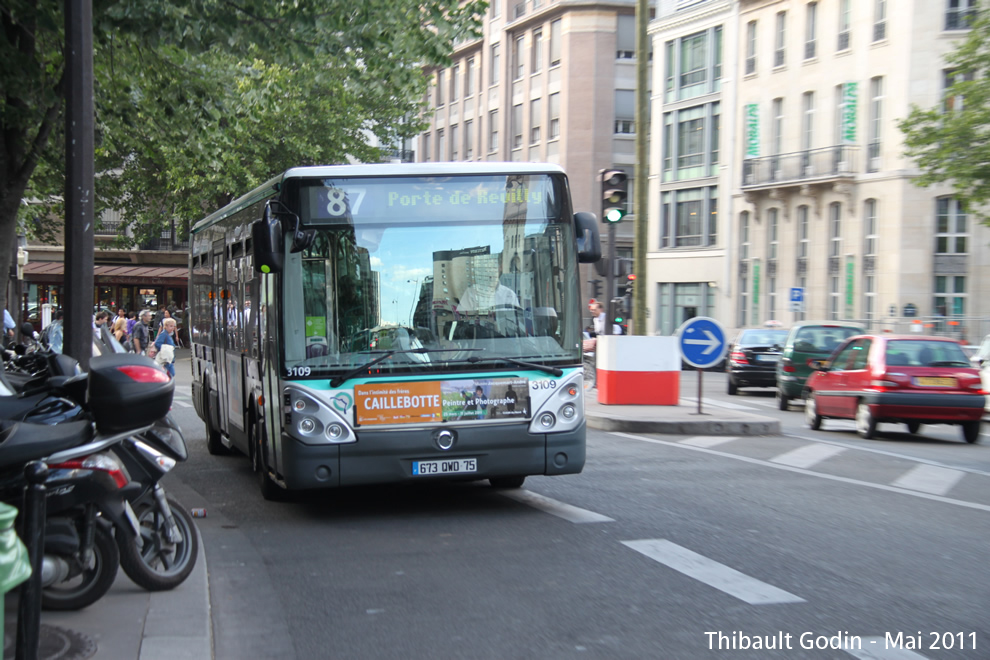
[337, 381]
[555, 371]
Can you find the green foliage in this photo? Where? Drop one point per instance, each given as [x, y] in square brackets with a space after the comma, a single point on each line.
[197, 101]
[952, 143]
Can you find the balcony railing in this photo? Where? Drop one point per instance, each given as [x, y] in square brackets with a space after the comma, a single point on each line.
[801, 167]
[108, 228]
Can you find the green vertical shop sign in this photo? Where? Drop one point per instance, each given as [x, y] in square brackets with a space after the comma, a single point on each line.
[849, 93]
[752, 130]
[850, 284]
[756, 292]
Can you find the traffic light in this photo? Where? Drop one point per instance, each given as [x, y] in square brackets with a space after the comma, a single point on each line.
[596, 288]
[615, 190]
[618, 313]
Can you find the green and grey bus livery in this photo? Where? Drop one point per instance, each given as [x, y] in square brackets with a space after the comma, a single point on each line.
[371, 324]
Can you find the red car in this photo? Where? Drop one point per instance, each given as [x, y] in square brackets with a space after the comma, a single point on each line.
[897, 379]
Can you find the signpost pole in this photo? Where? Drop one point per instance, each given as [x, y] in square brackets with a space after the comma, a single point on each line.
[700, 377]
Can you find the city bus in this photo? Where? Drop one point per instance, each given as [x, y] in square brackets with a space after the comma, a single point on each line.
[373, 324]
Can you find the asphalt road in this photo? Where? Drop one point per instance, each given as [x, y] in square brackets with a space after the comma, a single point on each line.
[664, 547]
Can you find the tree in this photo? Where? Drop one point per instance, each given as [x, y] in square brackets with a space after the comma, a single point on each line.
[197, 101]
[951, 141]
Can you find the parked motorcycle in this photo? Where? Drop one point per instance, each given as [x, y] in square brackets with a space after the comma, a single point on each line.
[161, 552]
[86, 498]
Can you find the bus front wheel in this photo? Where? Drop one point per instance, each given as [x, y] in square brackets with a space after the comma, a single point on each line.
[270, 490]
[214, 445]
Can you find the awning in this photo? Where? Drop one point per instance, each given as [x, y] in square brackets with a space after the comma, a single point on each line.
[46, 270]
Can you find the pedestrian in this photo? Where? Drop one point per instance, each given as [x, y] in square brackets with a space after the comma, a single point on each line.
[119, 328]
[141, 334]
[165, 314]
[165, 347]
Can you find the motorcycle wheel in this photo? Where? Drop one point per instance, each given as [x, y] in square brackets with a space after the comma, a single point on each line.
[91, 583]
[159, 565]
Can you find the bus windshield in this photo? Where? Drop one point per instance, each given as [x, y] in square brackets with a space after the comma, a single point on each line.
[431, 274]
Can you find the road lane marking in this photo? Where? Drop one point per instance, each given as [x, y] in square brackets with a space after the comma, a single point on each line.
[712, 573]
[929, 479]
[810, 473]
[875, 648]
[807, 456]
[566, 511]
[708, 440]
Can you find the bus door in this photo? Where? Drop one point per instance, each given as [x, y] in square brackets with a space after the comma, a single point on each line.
[234, 358]
[220, 329]
[269, 358]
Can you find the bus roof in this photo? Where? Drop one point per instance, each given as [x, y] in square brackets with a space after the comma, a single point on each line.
[268, 188]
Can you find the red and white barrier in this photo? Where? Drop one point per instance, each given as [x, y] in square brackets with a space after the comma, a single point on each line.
[638, 370]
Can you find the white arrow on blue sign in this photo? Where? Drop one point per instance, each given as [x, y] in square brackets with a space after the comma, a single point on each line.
[702, 342]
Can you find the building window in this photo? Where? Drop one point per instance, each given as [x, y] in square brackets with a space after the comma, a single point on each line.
[555, 42]
[625, 37]
[870, 228]
[880, 20]
[496, 8]
[517, 126]
[950, 295]
[668, 146]
[469, 139]
[950, 77]
[834, 298]
[454, 143]
[427, 154]
[496, 63]
[744, 236]
[693, 61]
[870, 253]
[773, 229]
[493, 131]
[777, 128]
[441, 145]
[715, 123]
[834, 229]
[840, 105]
[802, 232]
[875, 124]
[751, 47]
[771, 297]
[781, 39]
[689, 217]
[844, 25]
[807, 122]
[535, 119]
[951, 226]
[625, 111]
[440, 84]
[469, 73]
[455, 82]
[536, 59]
[518, 64]
[960, 14]
[810, 30]
[554, 123]
[670, 66]
[690, 138]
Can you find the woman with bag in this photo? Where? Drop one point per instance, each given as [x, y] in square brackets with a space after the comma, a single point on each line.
[165, 347]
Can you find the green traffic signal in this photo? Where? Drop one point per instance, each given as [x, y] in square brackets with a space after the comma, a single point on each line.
[614, 215]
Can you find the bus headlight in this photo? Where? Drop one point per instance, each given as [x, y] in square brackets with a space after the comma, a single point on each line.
[334, 431]
[307, 425]
[299, 405]
[568, 412]
[547, 420]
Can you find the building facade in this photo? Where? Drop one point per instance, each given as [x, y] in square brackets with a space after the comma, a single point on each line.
[548, 81]
[817, 199]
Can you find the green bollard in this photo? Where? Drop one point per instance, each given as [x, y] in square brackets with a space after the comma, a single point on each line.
[15, 567]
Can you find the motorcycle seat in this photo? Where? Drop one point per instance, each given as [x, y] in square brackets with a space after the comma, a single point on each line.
[13, 407]
[21, 442]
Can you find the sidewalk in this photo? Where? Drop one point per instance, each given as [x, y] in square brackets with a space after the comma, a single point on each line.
[676, 420]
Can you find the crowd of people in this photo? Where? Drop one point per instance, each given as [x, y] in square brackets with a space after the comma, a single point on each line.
[152, 334]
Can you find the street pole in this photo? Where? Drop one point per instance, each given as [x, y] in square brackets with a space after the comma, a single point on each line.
[640, 236]
[610, 281]
[79, 193]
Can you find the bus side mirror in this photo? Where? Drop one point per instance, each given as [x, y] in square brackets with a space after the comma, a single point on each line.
[302, 239]
[266, 241]
[589, 245]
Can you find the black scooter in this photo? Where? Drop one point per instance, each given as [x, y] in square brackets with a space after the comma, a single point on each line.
[87, 492]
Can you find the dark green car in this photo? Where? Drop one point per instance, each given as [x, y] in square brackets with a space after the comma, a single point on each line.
[807, 340]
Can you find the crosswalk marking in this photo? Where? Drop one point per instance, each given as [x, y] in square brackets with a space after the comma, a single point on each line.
[875, 648]
[807, 456]
[566, 511]
[712, 573]
[708, 440]
[929, 479]
[715, 402]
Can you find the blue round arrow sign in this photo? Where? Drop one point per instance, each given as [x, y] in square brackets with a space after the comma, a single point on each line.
[702, 342]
